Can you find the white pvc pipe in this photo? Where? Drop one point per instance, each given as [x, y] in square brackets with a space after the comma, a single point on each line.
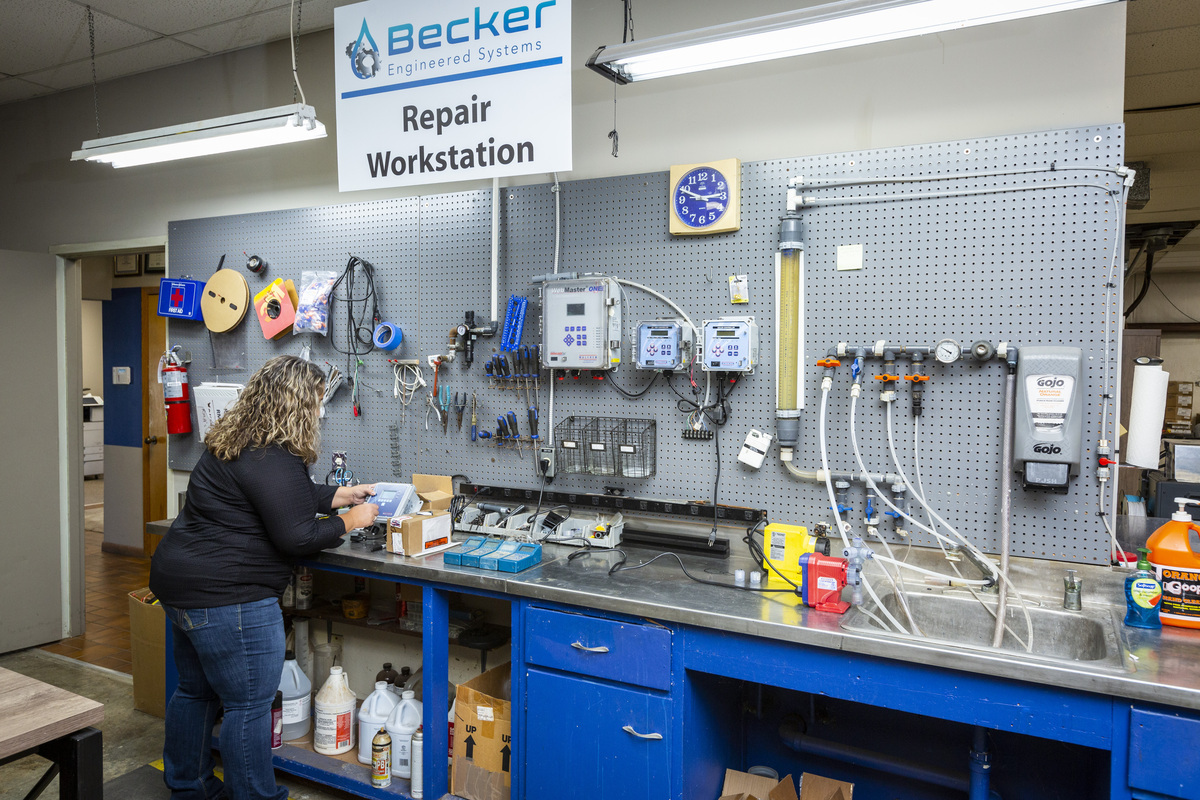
[496, 248]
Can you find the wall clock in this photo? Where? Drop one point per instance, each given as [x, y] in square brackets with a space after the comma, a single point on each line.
[706, 198]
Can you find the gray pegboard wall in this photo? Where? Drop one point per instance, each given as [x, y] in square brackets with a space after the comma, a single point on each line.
[1025, 267]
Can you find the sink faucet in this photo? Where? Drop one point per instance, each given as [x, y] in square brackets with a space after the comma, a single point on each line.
[985, 567]
[1073, 591]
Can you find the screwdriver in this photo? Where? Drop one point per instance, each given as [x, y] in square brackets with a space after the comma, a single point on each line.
[502, 428]
[474, 419]
[491, 375]
[533, 426]
[528, 373]
[537, 369]
[512, 427]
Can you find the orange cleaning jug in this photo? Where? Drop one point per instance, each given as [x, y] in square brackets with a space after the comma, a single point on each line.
[1177, 567]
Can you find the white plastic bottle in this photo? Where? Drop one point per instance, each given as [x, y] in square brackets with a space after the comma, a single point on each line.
[402, 723]
[334, 729]
[297, 699]
[373, 715]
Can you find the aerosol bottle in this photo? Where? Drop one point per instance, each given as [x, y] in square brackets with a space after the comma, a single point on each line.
[381, 760]
[418, 767]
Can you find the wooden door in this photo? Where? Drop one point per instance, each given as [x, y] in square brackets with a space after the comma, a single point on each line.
[154, 418]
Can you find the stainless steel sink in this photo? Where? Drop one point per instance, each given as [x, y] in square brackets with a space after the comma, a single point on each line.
[1088, 637]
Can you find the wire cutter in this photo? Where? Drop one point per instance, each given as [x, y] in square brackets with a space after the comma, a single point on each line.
[460, 403]
[443, 401]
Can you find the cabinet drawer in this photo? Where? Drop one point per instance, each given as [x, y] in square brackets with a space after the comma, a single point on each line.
[93, 437]
[618, 651]
[588, 740]
[1159, 742]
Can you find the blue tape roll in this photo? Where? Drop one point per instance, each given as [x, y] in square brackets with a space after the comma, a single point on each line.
[388, 336]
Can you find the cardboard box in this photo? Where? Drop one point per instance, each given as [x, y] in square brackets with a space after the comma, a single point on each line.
[419, 532]
[483, 753]
[1180, 387]
[744, 786]
[1180, 401]
[1178, 414]
[435, 491]
[147, 643]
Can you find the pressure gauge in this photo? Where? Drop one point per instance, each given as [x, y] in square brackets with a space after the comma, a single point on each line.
[948, 351]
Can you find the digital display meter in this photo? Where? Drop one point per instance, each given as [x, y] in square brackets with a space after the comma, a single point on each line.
[663, 344]
[581, 324]
[730, 345]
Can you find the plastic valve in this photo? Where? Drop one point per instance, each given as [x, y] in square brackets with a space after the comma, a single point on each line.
[829, 363]
[916, 378]
[1107, 462]
[887, 377]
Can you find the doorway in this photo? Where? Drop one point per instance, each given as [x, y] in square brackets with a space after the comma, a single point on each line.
[125, 481]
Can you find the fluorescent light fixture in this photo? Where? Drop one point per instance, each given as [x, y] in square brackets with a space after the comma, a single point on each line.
[271, 126]
[845, 23]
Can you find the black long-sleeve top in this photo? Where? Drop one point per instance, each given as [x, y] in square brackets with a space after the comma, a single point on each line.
[241, 527]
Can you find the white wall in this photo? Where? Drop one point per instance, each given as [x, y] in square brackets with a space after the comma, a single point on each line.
[93, 347]
[1058, 71]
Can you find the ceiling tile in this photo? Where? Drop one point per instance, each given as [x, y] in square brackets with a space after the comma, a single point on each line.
[51, 32]
[1166, 121]
[1162, 51]
[174, 17]
[268, 26]
[236, 34]
[140, 58]
[1157, 15]
[14, 89]
[1163, 89]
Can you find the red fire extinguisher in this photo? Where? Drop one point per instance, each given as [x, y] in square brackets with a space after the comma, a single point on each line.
[172, 373]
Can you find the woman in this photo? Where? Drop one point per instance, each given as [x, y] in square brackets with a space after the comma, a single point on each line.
[219, 572]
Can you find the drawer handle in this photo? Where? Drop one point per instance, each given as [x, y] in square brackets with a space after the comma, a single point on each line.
[629, 729]
[586, 649]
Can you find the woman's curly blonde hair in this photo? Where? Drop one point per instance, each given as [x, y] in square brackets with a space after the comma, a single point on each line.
[279, 406]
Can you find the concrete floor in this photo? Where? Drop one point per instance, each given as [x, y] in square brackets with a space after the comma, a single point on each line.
[131, 738]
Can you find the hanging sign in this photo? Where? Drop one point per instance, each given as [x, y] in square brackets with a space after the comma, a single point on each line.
[451, 91]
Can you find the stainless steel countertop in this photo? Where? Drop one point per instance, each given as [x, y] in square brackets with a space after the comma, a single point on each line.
[1162, 666]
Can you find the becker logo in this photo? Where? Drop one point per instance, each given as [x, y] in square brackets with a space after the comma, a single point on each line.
[1050, 383]
[363, 54]
[1047, 449]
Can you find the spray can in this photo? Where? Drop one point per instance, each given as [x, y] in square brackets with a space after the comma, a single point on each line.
[381, 760]
[304, 588]
[277, 721]
[418, 765]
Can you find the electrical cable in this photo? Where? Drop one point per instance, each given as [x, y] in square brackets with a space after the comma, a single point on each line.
[360, 329]
[621, 567]
[669, 302]
[1168, 299]
[633, 395]
[1137, 301]
[960, 176]
[292, 40]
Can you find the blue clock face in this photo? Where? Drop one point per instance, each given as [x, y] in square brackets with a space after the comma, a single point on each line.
[701, 197]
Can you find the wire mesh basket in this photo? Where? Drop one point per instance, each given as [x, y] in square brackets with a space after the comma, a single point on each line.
[569, 438]
[607, 446]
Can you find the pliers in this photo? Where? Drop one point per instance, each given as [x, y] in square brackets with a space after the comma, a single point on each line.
[460, 403]
[443, 401]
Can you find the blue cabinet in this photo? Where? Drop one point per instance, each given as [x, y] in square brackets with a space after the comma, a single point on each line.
[587, 739]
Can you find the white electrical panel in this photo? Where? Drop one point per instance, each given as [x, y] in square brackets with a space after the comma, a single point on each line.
[581, 324]
[664, 344]
[730, 345]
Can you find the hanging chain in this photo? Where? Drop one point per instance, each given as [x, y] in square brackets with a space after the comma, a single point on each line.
[296, 45]
[626, 36]
[627, 31]
[95, 91]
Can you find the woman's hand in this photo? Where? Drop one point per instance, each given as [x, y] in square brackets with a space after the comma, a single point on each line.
[360, 516]
[352, 495]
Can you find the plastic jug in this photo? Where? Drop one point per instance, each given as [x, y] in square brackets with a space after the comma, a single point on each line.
[297, 699]
[1177, 567]
[373, 715]
[401, 725]
[333, 729]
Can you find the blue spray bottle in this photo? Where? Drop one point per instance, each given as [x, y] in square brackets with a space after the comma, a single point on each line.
[1143, 594]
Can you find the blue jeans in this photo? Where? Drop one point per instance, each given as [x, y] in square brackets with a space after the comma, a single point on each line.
[231, 656]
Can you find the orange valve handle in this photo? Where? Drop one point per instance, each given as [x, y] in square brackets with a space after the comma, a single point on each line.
[829, 363]
[887, 377]
[916, 378]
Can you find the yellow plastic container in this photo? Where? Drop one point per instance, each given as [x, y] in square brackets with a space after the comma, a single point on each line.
[1177, 568]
